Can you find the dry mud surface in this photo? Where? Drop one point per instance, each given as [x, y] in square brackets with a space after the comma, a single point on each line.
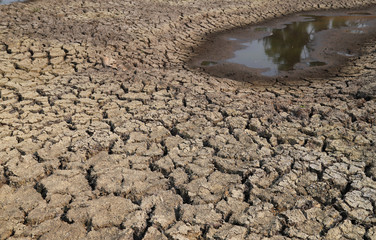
[106, 134]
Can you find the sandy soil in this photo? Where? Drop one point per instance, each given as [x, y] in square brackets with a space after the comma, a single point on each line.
[107, 134]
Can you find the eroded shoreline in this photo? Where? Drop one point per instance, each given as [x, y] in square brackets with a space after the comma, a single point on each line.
[106, 134]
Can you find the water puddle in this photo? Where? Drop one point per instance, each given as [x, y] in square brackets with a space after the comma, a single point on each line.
[285, 47]
[5, 2]
[279, 47]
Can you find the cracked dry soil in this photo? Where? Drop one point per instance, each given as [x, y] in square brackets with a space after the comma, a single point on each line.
[106, 134]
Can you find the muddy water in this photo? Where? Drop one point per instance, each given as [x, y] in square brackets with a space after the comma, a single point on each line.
[4, 2]
[284, 46]
[293, 44]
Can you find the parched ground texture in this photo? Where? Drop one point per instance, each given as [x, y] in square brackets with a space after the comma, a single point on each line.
[106, 134]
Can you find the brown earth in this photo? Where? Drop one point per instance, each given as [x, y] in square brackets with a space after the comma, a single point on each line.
[106, 134]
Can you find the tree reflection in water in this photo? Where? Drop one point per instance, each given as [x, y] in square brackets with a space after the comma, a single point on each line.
[292, 44]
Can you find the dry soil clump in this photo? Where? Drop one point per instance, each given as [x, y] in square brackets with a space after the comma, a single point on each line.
[105, 134]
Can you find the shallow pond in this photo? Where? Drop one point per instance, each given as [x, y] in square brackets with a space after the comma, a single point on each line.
[285, 45]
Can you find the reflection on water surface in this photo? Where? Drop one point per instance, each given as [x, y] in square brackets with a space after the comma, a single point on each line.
[290, 46]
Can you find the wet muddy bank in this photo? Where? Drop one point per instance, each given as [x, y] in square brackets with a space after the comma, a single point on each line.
[302, 45]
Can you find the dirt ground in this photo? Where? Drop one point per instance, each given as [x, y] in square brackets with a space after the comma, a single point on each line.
[107, 134]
